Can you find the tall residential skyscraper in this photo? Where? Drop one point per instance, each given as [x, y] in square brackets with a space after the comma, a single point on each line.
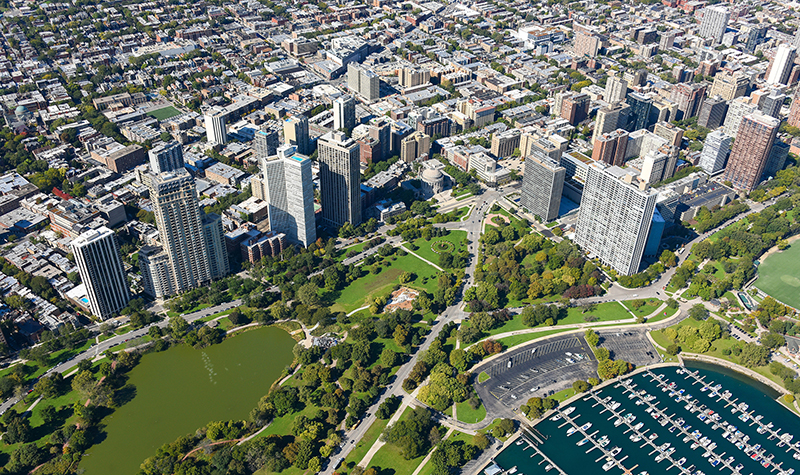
[689, 98]
[174, 199]
[214, 234]
[295, 132]
[712, 113]
[289, 191]
[586, 44]
[639, 113]
[794, 110]
[715, 22]
[363, 82]
[344, 113]
[610, 118]
[414, 146]
[542, 185]
[615, 216]
[100, 266]
[729, 86]
[166, 157]
[776, 160]
[610, 148]
[781, 65]
[340, 179]
[653, 166]
[771, 104]
[737, 109]
[216, 133]
[266, 143]
[616, 89]
[715, 152]
[754, 141]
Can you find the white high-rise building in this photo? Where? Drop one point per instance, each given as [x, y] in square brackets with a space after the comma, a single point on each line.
[100, 266]
[715, 152]
[289, 191]
[615, 216]
[715, 22]
[344, 113]
[781, 65]
[653, 166]
[340, 179]
[363, 82]
[616, 89]
[610, 118]
[215, 127]
[166, 157]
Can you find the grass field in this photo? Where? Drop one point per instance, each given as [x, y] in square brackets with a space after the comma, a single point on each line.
[650, 306]
[388, 458]
[358, 293]
[469, 415]
[779, 276]
[426, 247]
[512, 341]
[668, 312]
[363, 446]
[164, 113]
[604, 312]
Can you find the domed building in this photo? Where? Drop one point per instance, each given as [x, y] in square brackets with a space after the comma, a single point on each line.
[432, 182]
[23, 114]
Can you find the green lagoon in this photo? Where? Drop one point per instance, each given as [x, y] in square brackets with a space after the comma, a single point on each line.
[182, 389]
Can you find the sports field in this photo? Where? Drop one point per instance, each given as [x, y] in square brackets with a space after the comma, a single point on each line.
[779, 275]
[164, 113]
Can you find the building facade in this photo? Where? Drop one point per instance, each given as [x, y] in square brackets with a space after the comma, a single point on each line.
[542, 185]
[754, 141]
[615, 216]
[166, 157]
[100, 266]
[715, 152]
[340, 179]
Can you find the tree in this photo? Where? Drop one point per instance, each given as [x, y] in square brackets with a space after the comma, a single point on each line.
[49, 414]
[592, 338]
[773, 340]
[580, 386]
[308, 295]
[459, 360]
[754, 355]
[83, 383]
[698, 312]
[389, 357]
[673, 349]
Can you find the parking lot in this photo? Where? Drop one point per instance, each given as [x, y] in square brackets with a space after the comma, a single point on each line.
[537, 370]
[629, 345]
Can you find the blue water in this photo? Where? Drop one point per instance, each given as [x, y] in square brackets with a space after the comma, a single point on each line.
[574, 460]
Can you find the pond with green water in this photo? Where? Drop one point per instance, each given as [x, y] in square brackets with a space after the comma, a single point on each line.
[182, 389]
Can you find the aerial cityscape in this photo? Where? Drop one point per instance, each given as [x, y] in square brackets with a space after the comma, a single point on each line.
[395, 238]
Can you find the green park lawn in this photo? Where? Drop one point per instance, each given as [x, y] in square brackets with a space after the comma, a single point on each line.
[483, 377]
[363, 445]
[164, 113]
[467, 414]
[426, 248]
[663, 315]
[512, 341]
[604, 312]
[563, 395]
[389, 457]
[779, 276]
[650, 306]
[358, 293]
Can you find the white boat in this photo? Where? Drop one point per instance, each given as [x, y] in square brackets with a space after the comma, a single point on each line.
[556, 417]
[513, 470]
[586, 426]
[571, 431]
[610, 463]
[568, 410]
[583, 441]
[615, 451]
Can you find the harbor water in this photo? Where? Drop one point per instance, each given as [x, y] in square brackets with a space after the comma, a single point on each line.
[732, 441]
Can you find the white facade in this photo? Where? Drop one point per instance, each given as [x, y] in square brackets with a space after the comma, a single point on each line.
[737, 109]
[615, 216]
[344, 113]
[97, 256]
[715, 152]
[653, 166]
[715, 22]
[782, 64]
[616, 89]
[289, 191]
[215, 127]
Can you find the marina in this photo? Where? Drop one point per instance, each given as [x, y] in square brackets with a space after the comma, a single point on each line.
[687, 421]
